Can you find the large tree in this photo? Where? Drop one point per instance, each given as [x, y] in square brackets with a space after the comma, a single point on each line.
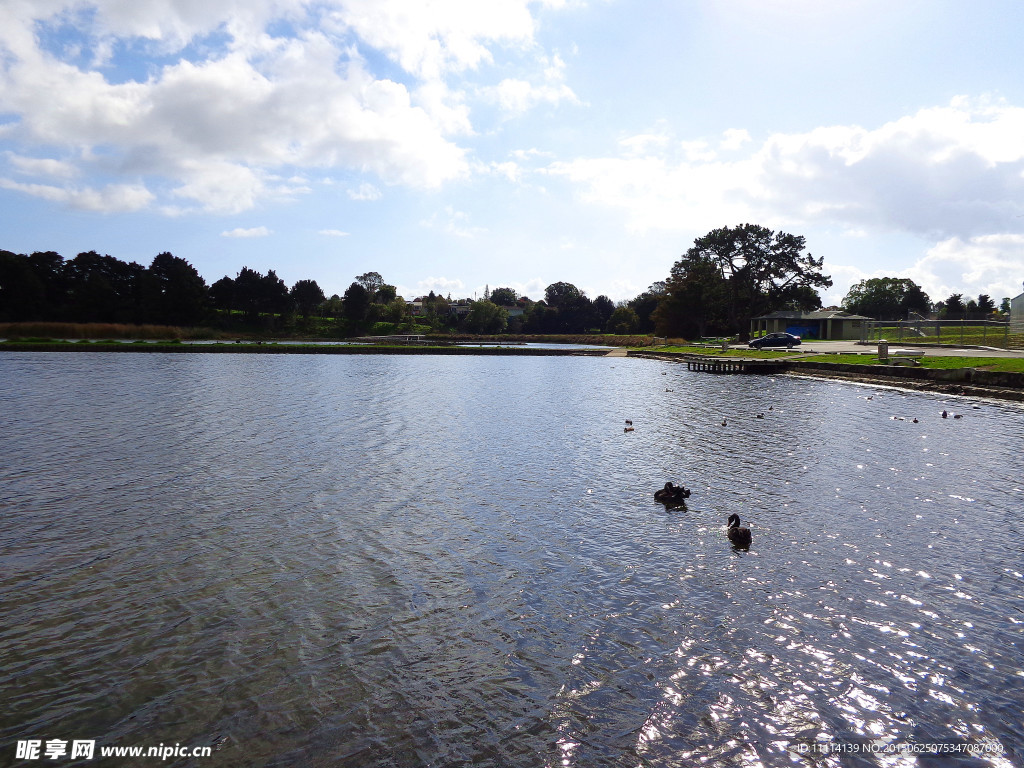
[762, 270]
[733, 274]
[886, 298]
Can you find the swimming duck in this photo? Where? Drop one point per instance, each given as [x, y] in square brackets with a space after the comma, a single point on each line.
[629, 422]
[740, 537]
[672, 494]
[628, 429]
[945, 415]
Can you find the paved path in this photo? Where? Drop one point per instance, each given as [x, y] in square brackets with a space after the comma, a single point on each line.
[848, 347]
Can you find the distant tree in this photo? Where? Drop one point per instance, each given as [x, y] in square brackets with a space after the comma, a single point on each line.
[560, 294]
[385, 294]
[222, 294]
[371, 281]
[486, 317]
[22, 295]
[573, 311]
[886, 298]
[645, 304]
[104, 289]
[332, 307]
[307, 296]
[180, 292]
[503, 297]
[603, 309]
[623, 320]
[356, 303]
[971, 310]
[247, 292]
[985, 305]
[955, 309]
[273, 293]
[1004, 305]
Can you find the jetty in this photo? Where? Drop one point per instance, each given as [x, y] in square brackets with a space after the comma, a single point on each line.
[736, 364]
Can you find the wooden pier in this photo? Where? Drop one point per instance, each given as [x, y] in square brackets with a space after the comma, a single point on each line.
[735, 365]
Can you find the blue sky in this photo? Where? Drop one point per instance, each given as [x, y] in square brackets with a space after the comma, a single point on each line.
[453, 144]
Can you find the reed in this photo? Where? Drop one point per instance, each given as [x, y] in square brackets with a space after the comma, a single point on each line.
[102, 331]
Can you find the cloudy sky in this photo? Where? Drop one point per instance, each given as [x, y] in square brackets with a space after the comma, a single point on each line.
[453, 144]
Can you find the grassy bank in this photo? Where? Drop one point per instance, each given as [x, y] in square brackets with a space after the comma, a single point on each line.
[110, 345]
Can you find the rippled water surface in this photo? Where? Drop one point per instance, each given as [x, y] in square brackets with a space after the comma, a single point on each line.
[441, 561]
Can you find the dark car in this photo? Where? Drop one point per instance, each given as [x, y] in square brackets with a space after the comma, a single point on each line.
[787, 340]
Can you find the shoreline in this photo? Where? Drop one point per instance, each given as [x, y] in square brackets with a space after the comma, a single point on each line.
[290, 349]
[969, 382]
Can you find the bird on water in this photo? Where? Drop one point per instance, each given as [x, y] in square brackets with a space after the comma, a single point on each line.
[739, 536]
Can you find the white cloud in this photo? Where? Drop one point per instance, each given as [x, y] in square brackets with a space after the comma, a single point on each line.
[241, 232]
[992, 264]
[113, 198]
[332, 233]
[441, 286]
[452, 222]
[953, 171]
[241, 104]
[42, 166]
[365, 192]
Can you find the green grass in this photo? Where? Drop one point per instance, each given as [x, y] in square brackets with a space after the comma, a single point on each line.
[1007, 364]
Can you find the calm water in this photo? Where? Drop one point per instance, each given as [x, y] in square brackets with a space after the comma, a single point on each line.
[438, 561]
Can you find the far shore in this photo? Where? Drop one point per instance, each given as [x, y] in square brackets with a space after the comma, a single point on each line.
[964, 380]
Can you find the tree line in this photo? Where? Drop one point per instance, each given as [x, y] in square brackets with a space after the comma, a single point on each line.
[892, 298]
[727, 277]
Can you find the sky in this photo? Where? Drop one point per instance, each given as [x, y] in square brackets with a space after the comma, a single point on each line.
[452, 145]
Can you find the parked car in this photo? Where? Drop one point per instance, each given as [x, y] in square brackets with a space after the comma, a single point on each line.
[787, 340]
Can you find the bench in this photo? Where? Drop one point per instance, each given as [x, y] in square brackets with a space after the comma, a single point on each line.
[905, 357]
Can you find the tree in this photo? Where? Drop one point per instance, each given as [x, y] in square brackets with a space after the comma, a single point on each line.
[222, 294]
[603, 309]
[886, 298]
[356, 303]
[181, 293]
[645, 304]
[307, 296]
[695, 299]
[486, 317]
[503, 297]
[623, 321]
[955, 309]
[22, 294]
[985, 305]
[1004, 305]
[105, 290]
[573, 311]
[371, 281]
[385, 294]
[762, 270]
[560, 294]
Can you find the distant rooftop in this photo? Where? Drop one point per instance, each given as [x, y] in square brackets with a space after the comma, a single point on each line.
[823, 314]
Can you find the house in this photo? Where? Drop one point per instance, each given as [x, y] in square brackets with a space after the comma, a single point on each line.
[1017, 311]
[823, 324]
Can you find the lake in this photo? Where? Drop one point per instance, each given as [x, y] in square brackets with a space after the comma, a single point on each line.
[444, 561]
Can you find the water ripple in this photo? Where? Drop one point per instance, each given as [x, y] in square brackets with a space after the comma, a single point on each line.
[401, 561]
